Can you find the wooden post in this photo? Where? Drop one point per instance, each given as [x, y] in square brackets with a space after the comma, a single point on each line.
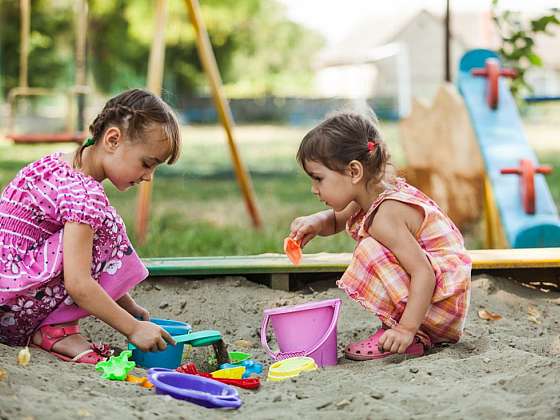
[280, 281]
[81, 68]
[25, 13]
[495, 237]
[211, 69]
[154, 82]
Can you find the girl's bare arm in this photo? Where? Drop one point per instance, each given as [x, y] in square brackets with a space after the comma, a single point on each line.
[336, 221]
[84, 290]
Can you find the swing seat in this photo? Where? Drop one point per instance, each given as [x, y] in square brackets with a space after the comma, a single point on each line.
[36, 138]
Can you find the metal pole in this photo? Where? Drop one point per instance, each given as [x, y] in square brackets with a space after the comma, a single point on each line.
[447, 42]
[154, 82]
[211, 69]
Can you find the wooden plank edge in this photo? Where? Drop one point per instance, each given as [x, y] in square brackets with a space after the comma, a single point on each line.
[317, 263]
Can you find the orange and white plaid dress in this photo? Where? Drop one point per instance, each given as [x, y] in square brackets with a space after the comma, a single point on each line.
[378, 282]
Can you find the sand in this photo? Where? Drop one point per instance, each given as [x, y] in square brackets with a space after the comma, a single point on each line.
[504, 368]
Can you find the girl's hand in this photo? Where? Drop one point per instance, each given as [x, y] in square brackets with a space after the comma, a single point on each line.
[305, 228]
[140, 312]
[147, 336]
[396, 340]
[129, 305]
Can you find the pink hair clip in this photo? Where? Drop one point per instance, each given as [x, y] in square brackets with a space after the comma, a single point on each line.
[371, 145]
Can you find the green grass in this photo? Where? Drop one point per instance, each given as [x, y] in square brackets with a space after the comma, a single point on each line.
[553, 180]
[197, 208]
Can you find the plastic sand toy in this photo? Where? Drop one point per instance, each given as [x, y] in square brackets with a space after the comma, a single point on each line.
[308, 329]
[235, 372]
[252, 367]
[140, 380]
[196, 339]
[289, 368]
[293, 250]
[117, 367]
[249, 383]
[200, 338]
[172, 326]
[195, 389]
[172, 356]
[24, 356]
[237, 357]
[135, 379]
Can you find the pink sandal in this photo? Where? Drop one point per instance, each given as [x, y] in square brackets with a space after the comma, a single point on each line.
[51, 335]
[368, 349]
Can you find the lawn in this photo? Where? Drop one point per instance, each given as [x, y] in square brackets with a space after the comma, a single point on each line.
[197, 207]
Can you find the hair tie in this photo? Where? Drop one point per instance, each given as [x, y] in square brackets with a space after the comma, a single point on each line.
[88, 142]
[371, 145]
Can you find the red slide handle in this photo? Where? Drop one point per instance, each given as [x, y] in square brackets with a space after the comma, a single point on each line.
[527, 181]
[492, 72]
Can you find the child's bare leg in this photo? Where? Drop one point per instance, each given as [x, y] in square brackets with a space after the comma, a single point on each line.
[69, 346]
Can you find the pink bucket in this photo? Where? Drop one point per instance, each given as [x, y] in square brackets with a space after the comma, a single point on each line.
[304, 330]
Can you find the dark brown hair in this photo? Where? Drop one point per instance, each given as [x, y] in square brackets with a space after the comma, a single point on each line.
[133, 111]
[343, 137]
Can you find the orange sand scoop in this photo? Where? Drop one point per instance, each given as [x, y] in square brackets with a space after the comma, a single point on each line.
[136, 379]
[142, 381]
[292, 249]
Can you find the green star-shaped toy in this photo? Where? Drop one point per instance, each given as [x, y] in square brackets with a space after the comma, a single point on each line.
[117, 367]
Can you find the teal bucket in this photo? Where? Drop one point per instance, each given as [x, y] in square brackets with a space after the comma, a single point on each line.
[169, 358]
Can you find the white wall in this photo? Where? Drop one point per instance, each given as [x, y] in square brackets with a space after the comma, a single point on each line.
[351, 81]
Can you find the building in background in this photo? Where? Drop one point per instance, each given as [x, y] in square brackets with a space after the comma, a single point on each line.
[346, 70]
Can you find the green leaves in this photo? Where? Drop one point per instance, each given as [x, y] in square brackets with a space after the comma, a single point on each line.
[518, 42]
[540, 24]
[535, 59]
[257, 48]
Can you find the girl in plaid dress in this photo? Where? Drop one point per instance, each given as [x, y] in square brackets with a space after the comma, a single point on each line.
[64, 251]
[409, 266]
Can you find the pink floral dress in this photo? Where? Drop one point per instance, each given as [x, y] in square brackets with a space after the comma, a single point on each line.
[33, 210]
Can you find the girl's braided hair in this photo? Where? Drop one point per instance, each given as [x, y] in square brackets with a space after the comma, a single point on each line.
[133, 111]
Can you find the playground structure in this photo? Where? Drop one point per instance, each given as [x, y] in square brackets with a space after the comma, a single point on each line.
[531, 222]
[470, 143]
[279, 273]
[520, 213]
[76, 95]
[534, 224]
[155, 80]
[449, 171]
[510, 221]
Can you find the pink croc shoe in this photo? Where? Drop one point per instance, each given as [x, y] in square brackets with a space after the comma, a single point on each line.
[51, 335]
[368, 349]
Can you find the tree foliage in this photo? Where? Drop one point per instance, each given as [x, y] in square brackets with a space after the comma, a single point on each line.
[49, 57]
[258, 50]
[518, 42]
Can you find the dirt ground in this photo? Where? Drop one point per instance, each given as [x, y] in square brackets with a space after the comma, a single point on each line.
[505, 368]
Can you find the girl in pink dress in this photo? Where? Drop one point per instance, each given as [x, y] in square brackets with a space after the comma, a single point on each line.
[410, 266]
[64, 252]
